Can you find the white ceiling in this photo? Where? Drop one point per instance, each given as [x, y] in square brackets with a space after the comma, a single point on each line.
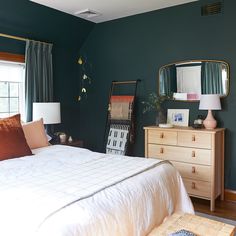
[109, 9]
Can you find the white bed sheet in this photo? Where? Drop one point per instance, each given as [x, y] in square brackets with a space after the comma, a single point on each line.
[131, 207]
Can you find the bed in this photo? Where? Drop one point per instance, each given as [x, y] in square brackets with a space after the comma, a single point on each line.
[68, 191]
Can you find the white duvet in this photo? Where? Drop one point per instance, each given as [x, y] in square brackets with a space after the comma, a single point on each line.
[66, 191]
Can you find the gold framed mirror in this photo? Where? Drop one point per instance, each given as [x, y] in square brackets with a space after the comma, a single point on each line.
[187, 80]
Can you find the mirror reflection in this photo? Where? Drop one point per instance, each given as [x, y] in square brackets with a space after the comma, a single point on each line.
[187, 80]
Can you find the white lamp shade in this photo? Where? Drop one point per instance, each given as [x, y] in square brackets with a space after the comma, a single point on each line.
[210, 102]
[49, 111]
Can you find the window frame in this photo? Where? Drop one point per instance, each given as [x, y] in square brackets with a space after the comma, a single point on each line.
[10, 57]
[5, 56]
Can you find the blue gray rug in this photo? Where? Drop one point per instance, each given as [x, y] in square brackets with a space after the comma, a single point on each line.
[224, 220]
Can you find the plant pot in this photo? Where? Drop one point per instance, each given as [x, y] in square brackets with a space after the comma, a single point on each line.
[160, 117]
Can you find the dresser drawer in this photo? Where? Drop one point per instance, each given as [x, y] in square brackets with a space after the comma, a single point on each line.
[173, 153]
[198, 187]
[193, 171]
[155, 151]
[194, 139]
[162, 137]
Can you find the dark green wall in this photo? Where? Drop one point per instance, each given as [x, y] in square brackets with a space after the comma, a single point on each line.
[67, 33]
[126, 49]
[136, 47]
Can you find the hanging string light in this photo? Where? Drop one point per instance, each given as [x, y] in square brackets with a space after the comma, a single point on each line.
[85, 79]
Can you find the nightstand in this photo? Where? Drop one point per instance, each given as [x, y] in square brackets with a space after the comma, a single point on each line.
[74, 143]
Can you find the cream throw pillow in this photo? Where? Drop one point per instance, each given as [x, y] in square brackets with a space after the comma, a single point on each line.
[35, 134]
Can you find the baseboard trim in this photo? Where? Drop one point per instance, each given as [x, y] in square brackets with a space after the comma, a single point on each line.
[230, 195]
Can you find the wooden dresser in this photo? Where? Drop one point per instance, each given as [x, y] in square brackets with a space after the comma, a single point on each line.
[197, 154]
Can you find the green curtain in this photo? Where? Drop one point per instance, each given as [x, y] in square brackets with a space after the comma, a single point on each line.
[212, 78]
[38, 75]
[167, 81]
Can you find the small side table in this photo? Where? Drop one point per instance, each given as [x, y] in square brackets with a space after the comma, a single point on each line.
[74, 143]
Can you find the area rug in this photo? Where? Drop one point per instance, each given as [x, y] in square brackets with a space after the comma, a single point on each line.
[217, 218]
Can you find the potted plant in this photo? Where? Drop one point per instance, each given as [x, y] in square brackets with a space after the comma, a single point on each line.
[154, 103]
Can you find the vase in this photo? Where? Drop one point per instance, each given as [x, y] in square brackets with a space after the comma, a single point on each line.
[62, 138]
[160, 117]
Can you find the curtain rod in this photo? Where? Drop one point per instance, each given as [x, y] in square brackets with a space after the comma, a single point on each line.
[18, 38]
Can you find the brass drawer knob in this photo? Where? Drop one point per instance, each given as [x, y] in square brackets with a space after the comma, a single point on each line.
[193, 154]
[193, 185]
[193, 138]
[193, 169]
[161, 150]
[161, 135]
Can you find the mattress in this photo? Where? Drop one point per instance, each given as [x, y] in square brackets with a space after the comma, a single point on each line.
[67, 191]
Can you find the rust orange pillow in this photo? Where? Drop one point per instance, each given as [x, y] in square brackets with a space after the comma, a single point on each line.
[12, 139]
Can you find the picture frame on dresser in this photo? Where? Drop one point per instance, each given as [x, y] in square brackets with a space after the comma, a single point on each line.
[178, 117]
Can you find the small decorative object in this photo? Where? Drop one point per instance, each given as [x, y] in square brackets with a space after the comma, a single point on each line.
[182, 232]
[154, 103]
[198, 123]
[210, 102]
[178, 117]
[62, 138]
[70, 139]
[166, 125]
[85, 79]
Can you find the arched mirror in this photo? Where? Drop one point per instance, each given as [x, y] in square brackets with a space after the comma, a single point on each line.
[187, 80]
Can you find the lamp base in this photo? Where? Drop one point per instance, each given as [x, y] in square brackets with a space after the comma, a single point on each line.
[210, 122]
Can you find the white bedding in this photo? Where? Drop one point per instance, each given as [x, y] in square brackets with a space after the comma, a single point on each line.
[66, 191]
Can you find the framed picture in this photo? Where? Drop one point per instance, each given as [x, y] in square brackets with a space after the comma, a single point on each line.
[178, 117]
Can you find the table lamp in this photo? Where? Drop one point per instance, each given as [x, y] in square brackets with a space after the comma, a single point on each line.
[210, 102]
[49, 111]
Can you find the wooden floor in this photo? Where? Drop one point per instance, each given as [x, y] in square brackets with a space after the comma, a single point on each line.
[223, 209]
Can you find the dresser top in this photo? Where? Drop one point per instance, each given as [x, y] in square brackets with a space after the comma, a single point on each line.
[188, 129]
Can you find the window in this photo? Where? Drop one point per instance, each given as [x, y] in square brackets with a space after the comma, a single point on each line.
[12, 89]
